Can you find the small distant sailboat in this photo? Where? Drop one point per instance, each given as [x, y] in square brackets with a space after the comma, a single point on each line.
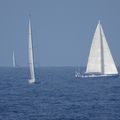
[30, 52]
[100, 60]
[13, 58]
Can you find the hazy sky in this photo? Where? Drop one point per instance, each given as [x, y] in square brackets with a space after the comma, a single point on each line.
[62, 30]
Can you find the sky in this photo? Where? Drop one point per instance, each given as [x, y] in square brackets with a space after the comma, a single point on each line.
[62, 30]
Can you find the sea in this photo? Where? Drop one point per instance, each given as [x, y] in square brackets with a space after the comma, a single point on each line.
[57, 95]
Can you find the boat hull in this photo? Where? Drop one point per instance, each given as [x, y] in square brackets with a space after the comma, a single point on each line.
[96, 75]
[31, 81]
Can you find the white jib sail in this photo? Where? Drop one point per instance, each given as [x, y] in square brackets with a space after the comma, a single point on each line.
[30, 52]
[100, 59]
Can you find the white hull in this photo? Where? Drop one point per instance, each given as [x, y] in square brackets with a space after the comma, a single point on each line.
[78, 75]
[31, 81]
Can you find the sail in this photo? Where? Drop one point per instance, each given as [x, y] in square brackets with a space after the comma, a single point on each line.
[94, 59]
[14, 65]
[100, 59]
[109, 64]
[30, 51]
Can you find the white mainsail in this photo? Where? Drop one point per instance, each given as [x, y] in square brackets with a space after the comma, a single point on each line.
[30, 52]
[14, 65]
[100, 59]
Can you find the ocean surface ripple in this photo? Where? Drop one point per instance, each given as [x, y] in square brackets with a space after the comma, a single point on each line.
[57, 95]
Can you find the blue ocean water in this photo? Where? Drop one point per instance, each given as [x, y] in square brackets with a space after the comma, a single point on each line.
[57, 95]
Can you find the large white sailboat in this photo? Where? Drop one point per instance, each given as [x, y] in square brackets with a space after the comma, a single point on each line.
[100, 60]
[30, 53]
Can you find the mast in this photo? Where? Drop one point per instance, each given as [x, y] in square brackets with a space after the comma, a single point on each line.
[102, 49]
[30, 53]
[14, 65]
